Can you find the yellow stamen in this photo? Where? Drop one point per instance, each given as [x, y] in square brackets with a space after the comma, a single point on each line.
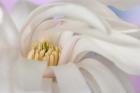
[51, 60]
[45, 51]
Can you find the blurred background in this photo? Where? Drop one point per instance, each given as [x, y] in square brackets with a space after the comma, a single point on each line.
[128, 10]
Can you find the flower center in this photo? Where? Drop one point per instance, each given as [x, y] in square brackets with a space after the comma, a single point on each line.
[45, 51]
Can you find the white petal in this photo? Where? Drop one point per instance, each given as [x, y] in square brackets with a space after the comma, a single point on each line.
[29, 74]
[67, 51]
[62, 10]
[112, 19]
[129, 56]
[125, 57]
[9, 34]
[70, 79]
[107, 79]
[20, 12]
[8, 45]
[66, 36]
[114, 37]
[106, 14]
[100, 8]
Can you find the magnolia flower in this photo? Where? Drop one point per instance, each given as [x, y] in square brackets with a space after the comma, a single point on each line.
[73, 48]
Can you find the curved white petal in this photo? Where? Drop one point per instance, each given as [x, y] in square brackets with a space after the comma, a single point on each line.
[125, 57]
[107, 79]
[70, 79]
[67, 49]
[20, 12]
[62, 10]
[8, 30]
[114, 21]
[106, 14]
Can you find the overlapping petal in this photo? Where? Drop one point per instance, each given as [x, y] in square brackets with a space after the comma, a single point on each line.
[95, 52]
[79, 36]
